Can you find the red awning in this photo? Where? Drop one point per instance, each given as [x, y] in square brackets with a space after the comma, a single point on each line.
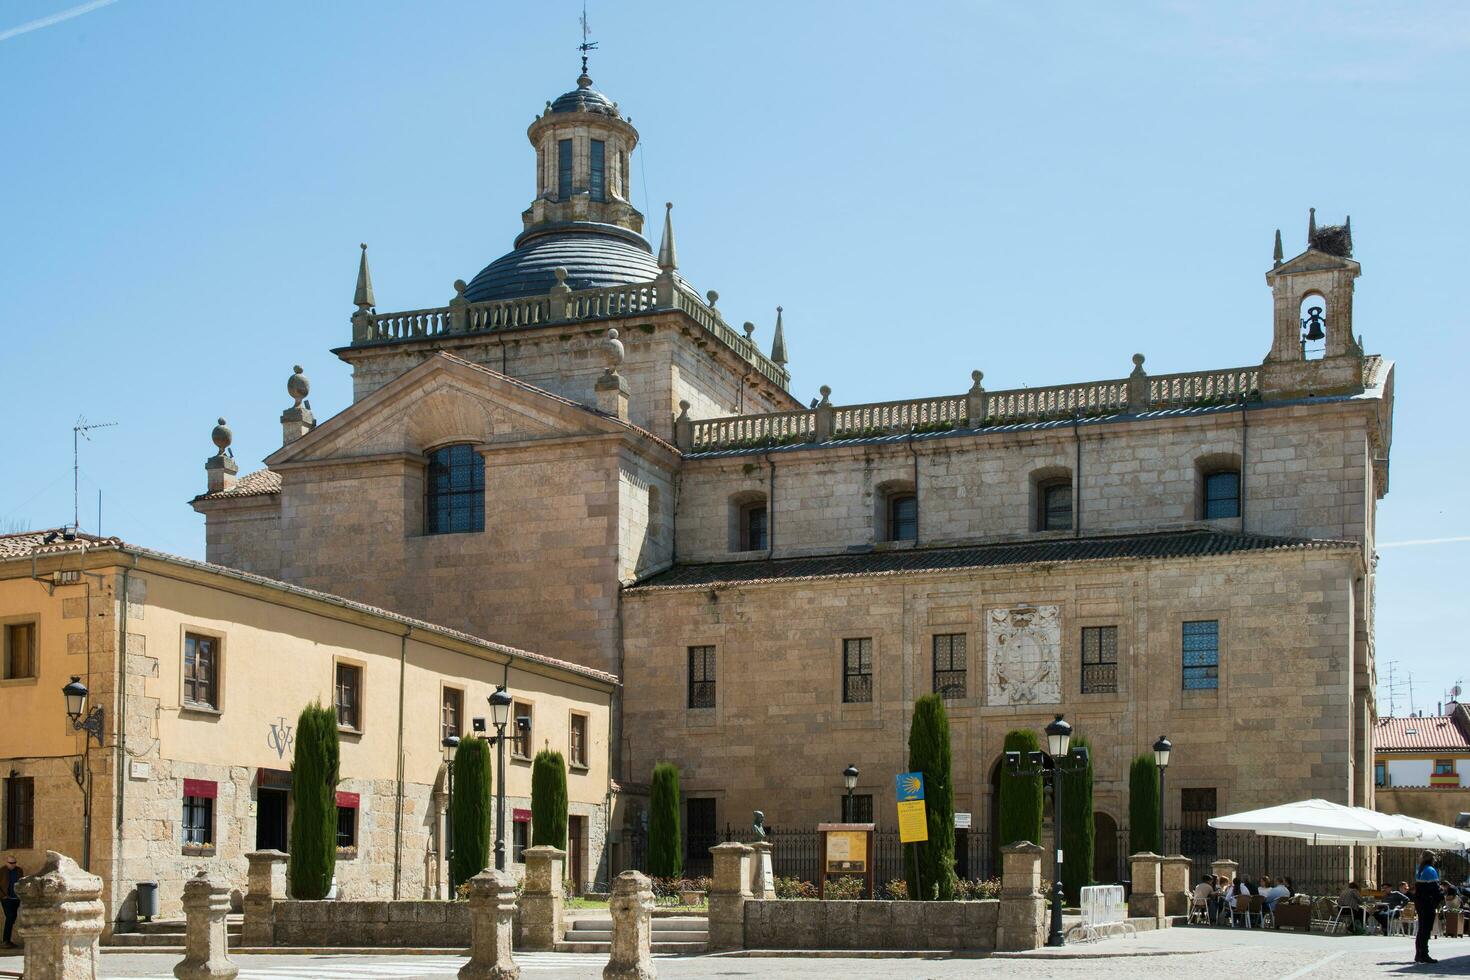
[202, 788]
[520, 816]
[347, 801]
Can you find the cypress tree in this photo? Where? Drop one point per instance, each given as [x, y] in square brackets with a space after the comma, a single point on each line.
[314, 795]
[1143, 806]
[472, 812]
[929, 753]
[549, 799]
[1077, 827]
[1020, 796]
[665, 855]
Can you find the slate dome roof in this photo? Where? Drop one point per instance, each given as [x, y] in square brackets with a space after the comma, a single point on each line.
[594, 255]
[585, 98]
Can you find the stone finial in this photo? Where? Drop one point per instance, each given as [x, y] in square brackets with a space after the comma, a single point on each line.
[1277, 253]
[1138, 398]
[977, 407]
[611, 389]
[459, 309]
[631, 905]
[825, 416]
[826, 391]
[492, 908]
[206, 953]
[298, 386]
[363, 297]
[684, 427]
[222, 437]
[612, 352]
[1311, 225]
[220, 469]
[683, 411]
[60, 920]
[668, 258]
[778, 343]
[712, 297]
[297, 420]
[749, 329]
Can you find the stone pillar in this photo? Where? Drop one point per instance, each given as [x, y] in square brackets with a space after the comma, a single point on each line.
[631, 906]
[728, 893]
[206, 947]
[556, 299]
[610, 389]
[975, 401]
[1147, 900]
[542, 899]
[60, 920]
[492, 908]
[265, 886]
[822, 430]
[221, 470]
[1224, 868]
[684, 428]
[762, 877]
[1175, 882]
[1022, 920]
[1138, 387]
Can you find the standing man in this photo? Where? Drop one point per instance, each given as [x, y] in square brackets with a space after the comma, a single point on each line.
[8, 877]
[1426, 903]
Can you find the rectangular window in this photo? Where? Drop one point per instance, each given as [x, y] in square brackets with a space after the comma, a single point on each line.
[1196, 807]
[598, 183]
[861, 808]
[949, 665]
[454, 490]
[577, 743]
[1202, 655]
[347, 819]
[563, 170]
[349, 696]
[701, 677]
[1099, 659]
[1056, 507]
[903, 518]
[1444, 767]
[1222, 495]
[520, 833]
[20, 812]
[201, 670]
[857, 670]
[199, 797]
[450, 712]
[753, 523]
[520, 745]
[20, 650]
[1380, 774]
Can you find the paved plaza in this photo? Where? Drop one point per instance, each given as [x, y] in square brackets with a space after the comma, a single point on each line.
[1185, 953]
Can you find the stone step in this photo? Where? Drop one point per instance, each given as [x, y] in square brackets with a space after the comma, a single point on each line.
[146, 939]
[681, 948]
[175, 927]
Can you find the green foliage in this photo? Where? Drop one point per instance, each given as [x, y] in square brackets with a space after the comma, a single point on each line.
[929, 753]
[1143, 806]
[665, 843]
[471, 813]
[1020, 796]
[1077, 827]
[314, 796]
[549, 800]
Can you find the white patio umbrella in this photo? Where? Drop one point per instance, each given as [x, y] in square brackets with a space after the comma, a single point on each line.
[1323, 822]
[1433, 835]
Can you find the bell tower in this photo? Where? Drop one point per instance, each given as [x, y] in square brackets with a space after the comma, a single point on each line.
[1313, 349]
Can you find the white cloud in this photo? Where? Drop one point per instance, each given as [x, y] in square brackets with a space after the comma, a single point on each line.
[56, 18]
[1422, 541]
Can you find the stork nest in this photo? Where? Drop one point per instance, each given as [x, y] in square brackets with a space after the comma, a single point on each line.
[1334, 240]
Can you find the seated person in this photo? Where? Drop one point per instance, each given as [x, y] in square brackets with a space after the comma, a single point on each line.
[1395, 900]
[1352, 900]
[1274, 891]
[1204, 895]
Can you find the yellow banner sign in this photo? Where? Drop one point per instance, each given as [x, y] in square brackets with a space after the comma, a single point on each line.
[912, 824]
[847, 850]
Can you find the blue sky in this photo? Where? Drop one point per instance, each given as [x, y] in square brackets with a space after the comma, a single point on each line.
[1036, 190]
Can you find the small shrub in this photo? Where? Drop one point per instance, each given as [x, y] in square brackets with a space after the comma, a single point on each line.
[844, 889]
[795, 888]
[896, 890]
[976, 889]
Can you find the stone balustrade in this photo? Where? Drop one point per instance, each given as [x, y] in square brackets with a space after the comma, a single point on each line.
[976, 409]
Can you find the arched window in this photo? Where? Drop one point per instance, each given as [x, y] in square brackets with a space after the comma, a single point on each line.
[1314, 326]
[454, 490]
[1054, 505]
[903, 517]
[563, 170]
[754, 524]
[598, 178]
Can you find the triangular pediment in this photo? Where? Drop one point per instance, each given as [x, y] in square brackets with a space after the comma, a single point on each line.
[442, 400]
[1313, 261]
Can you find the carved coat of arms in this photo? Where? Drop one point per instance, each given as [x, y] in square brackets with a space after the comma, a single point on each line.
[1024, 656]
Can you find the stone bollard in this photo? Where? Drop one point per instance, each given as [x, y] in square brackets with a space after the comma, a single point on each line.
[1224, 868]
[1174, 880]
[492, 907]
[1146, 901]
[1022, 920]
[206, 946]
[762, 878]
[728, 893]
[60, 920]
[631, 905]
[542, 899]
[265, 886]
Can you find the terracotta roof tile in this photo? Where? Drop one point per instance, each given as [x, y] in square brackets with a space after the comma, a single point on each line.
[257, 484]
[1436, 733]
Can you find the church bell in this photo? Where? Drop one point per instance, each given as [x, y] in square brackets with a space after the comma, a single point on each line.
[1313, 323]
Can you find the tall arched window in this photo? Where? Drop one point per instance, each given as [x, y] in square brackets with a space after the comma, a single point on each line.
[454, 490]
[1054, 505]
[903, 517]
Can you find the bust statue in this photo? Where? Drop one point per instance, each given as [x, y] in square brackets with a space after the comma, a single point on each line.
[758, 824]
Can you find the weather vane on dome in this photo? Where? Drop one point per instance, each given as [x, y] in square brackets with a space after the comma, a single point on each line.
[586, 45]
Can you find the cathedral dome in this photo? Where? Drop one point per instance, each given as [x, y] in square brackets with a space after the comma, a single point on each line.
[594, 255]
[585, 98]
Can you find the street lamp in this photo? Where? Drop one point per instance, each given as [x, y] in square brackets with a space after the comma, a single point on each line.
[451, 745]
[1060, 760]
[849, 779]
[90, 722]
[500, 704]
[1162, 748]
[76, 705]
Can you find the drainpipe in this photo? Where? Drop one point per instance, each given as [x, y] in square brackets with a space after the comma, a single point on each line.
[770, 508]
[918, 504]
[1077, 480]
[121, 739]
[398, 789]
[1244, 446]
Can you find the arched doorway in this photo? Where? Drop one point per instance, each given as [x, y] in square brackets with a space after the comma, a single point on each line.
[1104, 849]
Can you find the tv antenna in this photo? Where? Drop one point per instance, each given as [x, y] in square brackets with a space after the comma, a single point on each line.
[80, 429]
[586, 45]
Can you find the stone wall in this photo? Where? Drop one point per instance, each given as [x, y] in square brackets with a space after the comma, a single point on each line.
[870, 925]
[407, 924]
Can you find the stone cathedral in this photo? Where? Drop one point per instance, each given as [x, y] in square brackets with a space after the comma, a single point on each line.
[580, 456]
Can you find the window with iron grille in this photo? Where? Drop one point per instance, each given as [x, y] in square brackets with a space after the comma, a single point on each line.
[520, 745]
[20, 650]
[20, 812]
[1196, 806]
[949, 665]
[1222, 494]
[1099, 659]
[857, 670]
[454, 488]
[520, 832]
[346, 826]
[903, 517]
[563, 170]
[1056, 506]
[201, 670]
[753, 524]
[701, 677]
[577, 742]
[1201, 642]
[349, 696]
[597, 185]
[450, 710]
[198, 820]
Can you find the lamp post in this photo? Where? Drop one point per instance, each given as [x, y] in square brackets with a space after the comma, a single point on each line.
[500, 703]
[1162, 748]
[849, 779]
[1059, 760]
[89, 722]
[451, 745]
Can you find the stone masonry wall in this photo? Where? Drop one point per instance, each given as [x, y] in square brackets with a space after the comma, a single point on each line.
[871, 925]
[351, 923]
